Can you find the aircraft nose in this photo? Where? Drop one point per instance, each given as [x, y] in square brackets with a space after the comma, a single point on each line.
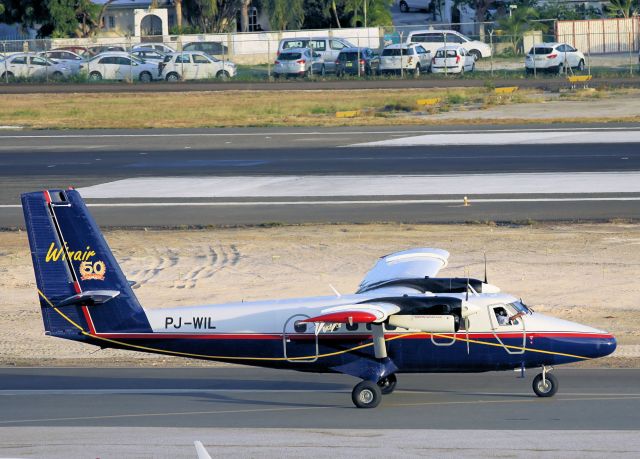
[606, 345]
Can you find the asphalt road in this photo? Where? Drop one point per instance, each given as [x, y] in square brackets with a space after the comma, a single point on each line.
[547, 83]
[32, 160]
[241, 397]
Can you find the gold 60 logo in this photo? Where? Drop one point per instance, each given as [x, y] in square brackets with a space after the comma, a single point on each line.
[92, 270]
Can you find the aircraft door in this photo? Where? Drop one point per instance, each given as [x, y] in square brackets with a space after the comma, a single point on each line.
[499, 316]
[299, 341]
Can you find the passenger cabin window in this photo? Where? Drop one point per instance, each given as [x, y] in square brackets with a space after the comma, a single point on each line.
[352, 327]
[300, 327]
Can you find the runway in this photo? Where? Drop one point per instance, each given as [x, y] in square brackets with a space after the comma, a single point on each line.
[242, 397]
[298, 175]
[247, 411]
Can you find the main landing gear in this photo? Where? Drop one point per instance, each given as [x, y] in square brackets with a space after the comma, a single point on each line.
[368, 394]
[545, 384]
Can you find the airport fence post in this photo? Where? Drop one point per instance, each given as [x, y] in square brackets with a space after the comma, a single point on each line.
[358, 56]
[630, 54]
[268, 57]
[130, 59]
[4, 54]
[401, 57]
[445, 54]
[492, 50]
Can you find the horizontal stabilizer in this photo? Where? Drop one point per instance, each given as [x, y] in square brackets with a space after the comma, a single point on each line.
[90, 297]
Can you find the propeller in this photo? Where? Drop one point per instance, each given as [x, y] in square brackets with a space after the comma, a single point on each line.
[485, 268]
[467, 298]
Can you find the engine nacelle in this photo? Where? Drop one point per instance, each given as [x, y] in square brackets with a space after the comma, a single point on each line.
[425, 323]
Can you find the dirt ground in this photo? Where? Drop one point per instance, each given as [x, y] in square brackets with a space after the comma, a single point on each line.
[582, 272]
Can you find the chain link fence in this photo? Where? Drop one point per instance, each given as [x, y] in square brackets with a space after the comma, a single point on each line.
[611, 49]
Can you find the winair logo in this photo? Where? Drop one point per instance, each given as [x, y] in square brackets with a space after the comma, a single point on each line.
[89, 269]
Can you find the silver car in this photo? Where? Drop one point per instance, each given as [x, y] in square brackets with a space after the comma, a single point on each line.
[66, 57]
[302, 62]
[30, 65]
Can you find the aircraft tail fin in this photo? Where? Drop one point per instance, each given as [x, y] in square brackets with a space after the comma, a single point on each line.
[80, 284]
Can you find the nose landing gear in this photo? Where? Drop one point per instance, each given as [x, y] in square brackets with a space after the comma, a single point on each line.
[545, 384]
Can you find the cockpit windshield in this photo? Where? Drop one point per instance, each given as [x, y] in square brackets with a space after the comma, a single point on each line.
[520, 307]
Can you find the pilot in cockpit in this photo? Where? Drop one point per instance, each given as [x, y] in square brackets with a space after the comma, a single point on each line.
[503, 317]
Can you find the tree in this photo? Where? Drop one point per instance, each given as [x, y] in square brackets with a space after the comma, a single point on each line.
[624, 8]
[211, 16]
[244, 15]
[369, 12]
[285, 14]
[480, 7]
[517, 23]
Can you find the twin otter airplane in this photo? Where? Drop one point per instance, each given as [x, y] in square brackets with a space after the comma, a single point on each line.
[402, 319]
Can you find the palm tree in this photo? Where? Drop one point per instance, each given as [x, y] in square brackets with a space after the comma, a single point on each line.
[517, 23]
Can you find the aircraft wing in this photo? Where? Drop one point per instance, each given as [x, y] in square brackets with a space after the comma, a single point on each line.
[355, 314]
[408, 264]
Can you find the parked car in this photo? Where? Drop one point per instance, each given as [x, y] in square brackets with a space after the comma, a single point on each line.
[95, 50]
[81, 51]
[69, 58]
[117, 65]
[299, 62]
[357, 61]
[411, 58]
[452, 59]
[407, 5]
[30, 65]
[553, 57]
[212, 48]
[328, 48]
[164, 49]
[148, 54]
[195, 66]
[434, 39]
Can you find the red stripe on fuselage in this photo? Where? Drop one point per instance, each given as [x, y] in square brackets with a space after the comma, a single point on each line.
[410, 335]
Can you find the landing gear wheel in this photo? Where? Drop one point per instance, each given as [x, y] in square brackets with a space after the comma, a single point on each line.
[388, 384]
[366, 394]
[546, 388]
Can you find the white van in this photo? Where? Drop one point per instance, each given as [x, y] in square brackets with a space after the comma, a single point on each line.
[328, 48]
[435, 39]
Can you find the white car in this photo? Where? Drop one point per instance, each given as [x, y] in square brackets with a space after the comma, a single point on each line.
[411, 58]
[30, 65]
[195, 65]
[452, 59]
[117, 65]
[148, 54]
[66, 57]
[554, 57]
[434, 39]
[155, 46]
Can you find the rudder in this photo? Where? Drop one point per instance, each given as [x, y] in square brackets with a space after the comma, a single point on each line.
[75, 269]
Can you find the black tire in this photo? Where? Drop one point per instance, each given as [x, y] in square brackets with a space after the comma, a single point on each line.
[95, 76]
[366, 395]
[388, 384]
[477, 55]
[404, 7]
[57, 75]
[581, 65]
[528, 71]
[417, 71]
[146, 77]
[323, 71]
[543, 390]
[308, 73]
[7, 76]
[223, 75]
[173, 77]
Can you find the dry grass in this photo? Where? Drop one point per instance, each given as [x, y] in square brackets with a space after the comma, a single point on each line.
[222, 109]
[263, 108]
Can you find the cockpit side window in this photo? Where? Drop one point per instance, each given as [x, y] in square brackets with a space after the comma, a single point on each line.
[502, 316]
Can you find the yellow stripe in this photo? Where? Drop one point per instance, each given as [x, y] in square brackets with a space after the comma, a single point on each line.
[309, 357]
